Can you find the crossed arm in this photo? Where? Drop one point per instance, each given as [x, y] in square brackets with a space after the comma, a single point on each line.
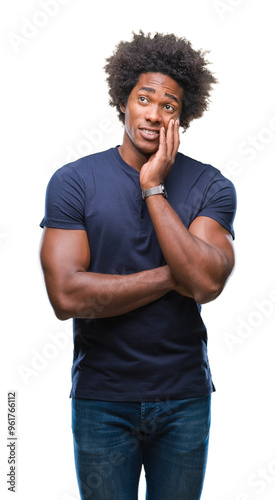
[74, 292]
[199, 259]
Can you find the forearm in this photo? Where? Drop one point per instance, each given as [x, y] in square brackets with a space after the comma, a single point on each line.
[196, 265]
[92, 295]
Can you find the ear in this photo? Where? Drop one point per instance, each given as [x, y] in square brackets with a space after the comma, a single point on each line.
[122, 108]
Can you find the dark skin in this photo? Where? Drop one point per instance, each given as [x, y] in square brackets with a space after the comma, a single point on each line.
[199, 259]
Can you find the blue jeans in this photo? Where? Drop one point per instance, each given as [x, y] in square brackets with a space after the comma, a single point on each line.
[112, 440]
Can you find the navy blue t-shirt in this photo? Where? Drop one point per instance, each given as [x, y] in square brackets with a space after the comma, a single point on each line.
[157, 351]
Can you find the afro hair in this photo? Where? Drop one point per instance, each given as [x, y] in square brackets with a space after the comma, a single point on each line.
[167, 54]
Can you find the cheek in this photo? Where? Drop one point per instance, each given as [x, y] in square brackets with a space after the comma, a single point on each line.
[127, 120]
[166, 122]
[166, 119]
[131, 121]
[128, 126]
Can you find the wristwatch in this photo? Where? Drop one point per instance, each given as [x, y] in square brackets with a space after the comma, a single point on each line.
[154, 190]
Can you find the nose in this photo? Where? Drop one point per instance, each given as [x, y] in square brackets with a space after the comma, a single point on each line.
[152, 114]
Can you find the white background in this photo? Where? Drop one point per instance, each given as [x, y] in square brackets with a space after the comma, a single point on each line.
[53, 89]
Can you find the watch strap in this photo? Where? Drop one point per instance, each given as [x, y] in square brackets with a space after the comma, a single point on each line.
[154, 190]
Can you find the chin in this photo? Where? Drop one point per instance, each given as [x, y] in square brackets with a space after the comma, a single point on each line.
[148, 149]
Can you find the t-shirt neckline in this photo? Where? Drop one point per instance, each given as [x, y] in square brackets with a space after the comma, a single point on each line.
[123, 163]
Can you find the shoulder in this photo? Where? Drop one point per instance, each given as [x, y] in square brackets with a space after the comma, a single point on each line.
[194, 167]
[81, 168]
[202, 174]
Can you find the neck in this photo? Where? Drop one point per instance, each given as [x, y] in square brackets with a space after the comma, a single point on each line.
[131, 155]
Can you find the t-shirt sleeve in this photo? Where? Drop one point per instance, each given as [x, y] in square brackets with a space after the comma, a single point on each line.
[220, 202]
[65, 200]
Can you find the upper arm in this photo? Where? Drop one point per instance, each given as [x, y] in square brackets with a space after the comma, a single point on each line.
[63, 253]
[215, 235]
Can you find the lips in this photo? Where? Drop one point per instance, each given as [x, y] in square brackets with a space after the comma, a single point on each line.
[149, 133]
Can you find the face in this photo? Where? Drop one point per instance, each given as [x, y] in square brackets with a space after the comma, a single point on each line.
[153, 102]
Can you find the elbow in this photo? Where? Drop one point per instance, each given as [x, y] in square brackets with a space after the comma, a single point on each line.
[62, 314]
[212, 287]
[206, 296]
[208, 293]
[61, 309]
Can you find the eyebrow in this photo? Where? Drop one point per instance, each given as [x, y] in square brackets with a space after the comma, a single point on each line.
[171, 96]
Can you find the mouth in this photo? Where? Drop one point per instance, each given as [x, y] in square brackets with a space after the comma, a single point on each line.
[149, 133]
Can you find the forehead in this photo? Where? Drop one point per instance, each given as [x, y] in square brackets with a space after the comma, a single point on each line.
[160, 83]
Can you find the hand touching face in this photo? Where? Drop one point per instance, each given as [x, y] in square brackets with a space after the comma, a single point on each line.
[157, 168]
[154, 104]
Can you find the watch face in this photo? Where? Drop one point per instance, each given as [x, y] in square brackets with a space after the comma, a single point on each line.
[164, 192]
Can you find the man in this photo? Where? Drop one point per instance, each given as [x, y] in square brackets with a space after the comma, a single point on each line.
[132, 267]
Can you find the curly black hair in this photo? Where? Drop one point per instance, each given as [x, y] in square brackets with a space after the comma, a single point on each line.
[167, 54]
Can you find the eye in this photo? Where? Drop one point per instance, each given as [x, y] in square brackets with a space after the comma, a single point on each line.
[143, 99]
[168, 107]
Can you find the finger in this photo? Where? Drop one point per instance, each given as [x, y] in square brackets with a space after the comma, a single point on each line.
[162, 142]
[170, 138]
[162, 137]
[176, 137]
